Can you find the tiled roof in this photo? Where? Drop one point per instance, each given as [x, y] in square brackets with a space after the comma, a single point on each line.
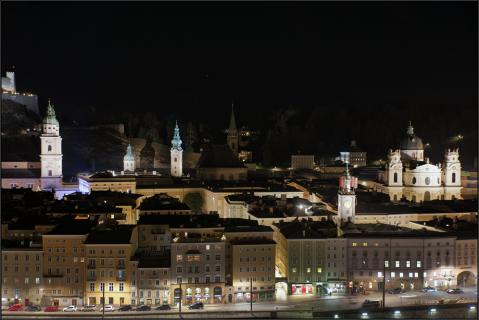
[219, 156]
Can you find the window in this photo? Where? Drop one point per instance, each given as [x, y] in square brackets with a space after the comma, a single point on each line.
[92, 286]
[102, 287]
[408, 264]
[308, 270]
[380, 274]
[401, 274]
[386, 263]
[453, 177]
[416, 275]
[414, 180]
[217, 268]
[393, 274]
[293, 269]
[217, 257]
[319, 270]
[217, 279]
[179, 258]
[37, 280]
[410, 274]
[50, 173]
[418, 264]
[395, 177]
[207, 247]
[49, 148]
[398, 263]
[427, 180]
[110, 286]
[354, 244]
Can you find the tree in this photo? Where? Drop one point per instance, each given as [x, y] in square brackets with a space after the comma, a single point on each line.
[194, 200]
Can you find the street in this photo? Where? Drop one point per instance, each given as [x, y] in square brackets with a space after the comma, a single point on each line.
[294, 304]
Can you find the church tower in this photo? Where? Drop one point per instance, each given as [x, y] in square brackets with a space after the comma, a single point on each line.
[394, 169]
[232, 137]
[129, 159]
[346, 194]
[51, 150]
[176, 154]
[452, 169]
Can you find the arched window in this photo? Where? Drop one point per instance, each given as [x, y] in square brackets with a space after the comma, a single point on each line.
[175, 159]
[414, 180]
[49, 147]
[427, 181]
[453, 177]
[395, 177]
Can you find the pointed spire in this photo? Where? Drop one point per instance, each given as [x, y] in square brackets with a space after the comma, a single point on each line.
[129, 154]
[176, 142]
[50, 118]
[410, 129]
[232, 127]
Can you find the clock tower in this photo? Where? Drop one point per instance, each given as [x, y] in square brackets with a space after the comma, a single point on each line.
[51, 151]
[346, 193]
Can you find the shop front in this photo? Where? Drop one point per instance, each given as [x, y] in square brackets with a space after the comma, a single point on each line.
[300, 289]
[191, 293]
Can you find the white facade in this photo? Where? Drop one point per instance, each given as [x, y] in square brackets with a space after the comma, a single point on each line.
[176, 153]
[406, 174]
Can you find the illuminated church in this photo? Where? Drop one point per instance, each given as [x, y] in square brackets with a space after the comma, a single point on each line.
[408, 174]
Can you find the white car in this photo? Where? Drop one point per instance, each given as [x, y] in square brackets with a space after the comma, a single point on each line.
[71, 308]
[108, 308]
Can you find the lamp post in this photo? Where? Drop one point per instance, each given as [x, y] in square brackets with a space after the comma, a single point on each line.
[251, 295]
[103, 309]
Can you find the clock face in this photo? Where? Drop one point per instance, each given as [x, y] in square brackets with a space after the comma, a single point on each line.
[347, 204]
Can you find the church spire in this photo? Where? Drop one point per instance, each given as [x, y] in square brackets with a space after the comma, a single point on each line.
[232, 127]
[50, 118]
[410, 129]
[176, 141]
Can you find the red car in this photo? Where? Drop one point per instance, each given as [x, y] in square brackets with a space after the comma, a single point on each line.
[52, 309]
[15, 307]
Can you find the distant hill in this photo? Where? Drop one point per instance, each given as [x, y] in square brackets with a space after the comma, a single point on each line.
[16, 118]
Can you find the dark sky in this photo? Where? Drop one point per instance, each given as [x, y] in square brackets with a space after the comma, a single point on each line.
[191, 60]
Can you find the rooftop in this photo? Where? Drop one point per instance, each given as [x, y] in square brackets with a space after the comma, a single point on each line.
[305, 229]
[73, 227]
[120, 234]
[379, 230]
[162, 202]
[183, 221]
[258, 241]
[219, 156]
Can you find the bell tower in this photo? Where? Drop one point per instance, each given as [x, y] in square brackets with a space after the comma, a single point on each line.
[452, 168]
[51, 150]
[129, 159]
[232, 137]
[347, 193]
[176, 154]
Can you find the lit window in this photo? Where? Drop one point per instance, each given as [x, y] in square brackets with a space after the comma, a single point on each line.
[408, 264]
[398, 263]
[416, 275]
[294, 270]
[354, 244]
[319, 270]
[418, 264]
[207, 247]
[308, 270]
[386, 263]
[410, 274]
[401, 275]
[179, 257]
[380, 274]
[365, 244]
[121, 286]
[393, 274]
[424, 274]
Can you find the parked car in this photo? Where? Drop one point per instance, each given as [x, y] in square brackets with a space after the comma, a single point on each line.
[71, 308]
[52, 309]
[88, 308]
[395, 291]
[125, 308]
[108, 308]
[143, 308]
[455, 291]
[429, 289]
[15, 307]
[371, 304]
[196, 305]
[33, 308]
[163, 307]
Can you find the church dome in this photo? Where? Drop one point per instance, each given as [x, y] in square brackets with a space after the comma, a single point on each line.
[411, 142]
[129, 154]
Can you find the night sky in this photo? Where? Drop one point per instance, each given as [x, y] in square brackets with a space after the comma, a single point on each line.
[190, 60]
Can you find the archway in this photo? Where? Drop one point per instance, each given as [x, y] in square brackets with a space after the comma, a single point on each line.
[427, 196]
[466, 279]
